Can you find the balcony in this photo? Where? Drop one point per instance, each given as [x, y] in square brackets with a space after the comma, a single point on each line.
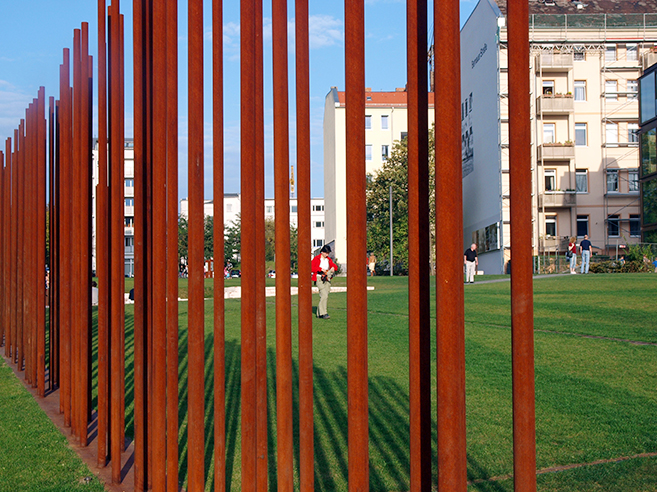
[557, 104]
[553, 243]
[554, 62]
[649, 59]
[558, 199]
[556, 152]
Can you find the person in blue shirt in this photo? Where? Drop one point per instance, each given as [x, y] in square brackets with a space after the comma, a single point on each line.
[585, 251]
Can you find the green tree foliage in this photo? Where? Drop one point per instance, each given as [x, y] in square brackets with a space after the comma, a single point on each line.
[208, 240]
[232, 242]
[183, 230]
[394, 172]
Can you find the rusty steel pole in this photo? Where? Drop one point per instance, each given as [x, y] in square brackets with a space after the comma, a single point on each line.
[172, 245]
[159, 244]
[248, 242]
[22, 253]
[306, 425]
[102, 238]
[219, 345]
[260, 300]
[6, 247]
[3, 267]
[41, 244]
[522, 308]
[64, 136]
[419, 321]
[196, 330]
[450, 339]
[117, 280]
[13, 322]
[356, 247]
[142, 142]
[29, 291]
[52, 260]
[284, 427]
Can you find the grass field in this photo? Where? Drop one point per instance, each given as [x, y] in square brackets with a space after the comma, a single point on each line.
[595, 386]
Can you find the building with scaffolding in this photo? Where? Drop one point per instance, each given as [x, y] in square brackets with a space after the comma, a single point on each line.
[585, 63]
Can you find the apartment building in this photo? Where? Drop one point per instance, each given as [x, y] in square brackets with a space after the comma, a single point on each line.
[232, 208]
[585, 62]
[386, 121]
[129, 207]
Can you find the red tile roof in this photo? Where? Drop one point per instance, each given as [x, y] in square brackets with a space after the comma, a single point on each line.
[396, 99]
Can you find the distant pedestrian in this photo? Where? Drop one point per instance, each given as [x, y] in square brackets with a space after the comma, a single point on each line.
[372, 264]
[323, 269]
[471, 262]
[585, 251]
[572, 251]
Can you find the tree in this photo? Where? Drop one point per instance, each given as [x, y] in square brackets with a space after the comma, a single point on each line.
[394, 173]
[208, 239]
[232, 241]
[183, 230]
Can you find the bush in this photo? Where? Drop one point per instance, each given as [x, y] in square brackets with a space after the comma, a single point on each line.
[618, 267]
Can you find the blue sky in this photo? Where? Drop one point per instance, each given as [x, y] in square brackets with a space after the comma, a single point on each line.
[34, 32]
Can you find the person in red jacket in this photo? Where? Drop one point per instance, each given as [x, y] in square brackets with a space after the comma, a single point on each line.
[323, 270]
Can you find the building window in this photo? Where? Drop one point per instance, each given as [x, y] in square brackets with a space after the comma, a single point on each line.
[368, 122]
[318, 208]
[579, 54]
[368, 152]
[582, 180]
[229, 207]
[582, 225]
[580, 134]
[293, 209]
[384, 152]
[611, 90]
[129, 241]
[384, 122]
[612, 180]
[549, 131]
[318, 243]
[550, 225]
[635, 225]
[611, 131]
[130, 183]
[318, 224]
[633, 90]
[580, 90]
[269, 209]
[612, 226]
[129, 221]
[632, 53]
[633, 180]
[129, 202]
[548, 87]
[610, 53]
[633, 133]
[550, 179]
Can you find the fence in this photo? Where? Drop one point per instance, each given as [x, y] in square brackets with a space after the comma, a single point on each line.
[156, 328]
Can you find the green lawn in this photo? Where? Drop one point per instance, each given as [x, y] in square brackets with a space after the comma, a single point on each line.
[34, 456]
[595, 390]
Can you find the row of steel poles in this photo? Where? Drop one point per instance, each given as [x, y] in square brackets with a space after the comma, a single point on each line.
[156, 331]
[23, 252]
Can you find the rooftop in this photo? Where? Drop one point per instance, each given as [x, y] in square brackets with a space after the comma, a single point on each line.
[396, 99]
[587, 6]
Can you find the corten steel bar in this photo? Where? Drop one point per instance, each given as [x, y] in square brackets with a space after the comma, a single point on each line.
[159, 245]
[219, 345]
[9, 249]
[65, 236]
[2, 249]
[141, 139]
[450, 341]
[102, 250]
[52, 260]
[284, 428]
[13, 322]
[172, 245]
[196, 335]
[85, 234]
[6, 226]
[22, 251]
[419, 321]
[357, 384]
[57, 259]
[76, 285]
[259, 259]
[522, 309]
[28, 249]
[248, 243]
[117, 281]
[306, 433]
[41, 243]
